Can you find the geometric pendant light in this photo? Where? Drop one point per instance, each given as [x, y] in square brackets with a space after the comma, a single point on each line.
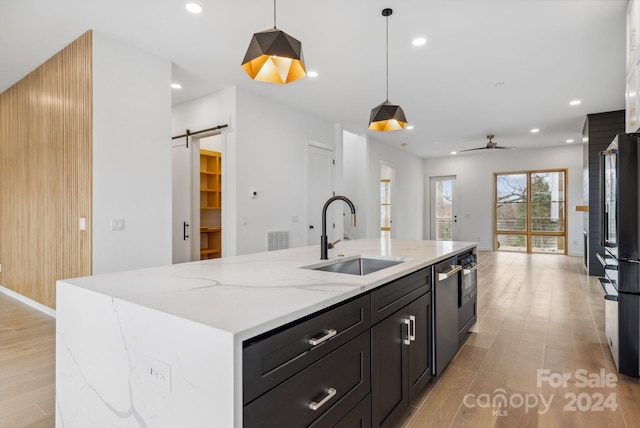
[387, 116]
[274, 56]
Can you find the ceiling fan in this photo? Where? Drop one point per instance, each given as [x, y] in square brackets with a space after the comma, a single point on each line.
[490, 145]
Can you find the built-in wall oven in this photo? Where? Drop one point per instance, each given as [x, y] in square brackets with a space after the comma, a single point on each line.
[467, 294]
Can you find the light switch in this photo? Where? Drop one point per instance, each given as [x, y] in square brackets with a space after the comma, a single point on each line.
[117, 224]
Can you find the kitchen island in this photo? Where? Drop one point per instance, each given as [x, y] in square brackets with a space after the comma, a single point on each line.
[164, 347]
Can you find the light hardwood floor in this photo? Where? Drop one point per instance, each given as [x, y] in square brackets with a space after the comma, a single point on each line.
[27, 366]
[536, 312]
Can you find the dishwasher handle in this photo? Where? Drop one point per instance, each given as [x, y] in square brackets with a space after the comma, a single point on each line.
[444, 275]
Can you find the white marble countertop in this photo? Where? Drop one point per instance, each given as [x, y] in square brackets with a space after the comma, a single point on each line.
[250, 294]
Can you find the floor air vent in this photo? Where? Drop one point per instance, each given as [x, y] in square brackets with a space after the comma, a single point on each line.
[277, 240]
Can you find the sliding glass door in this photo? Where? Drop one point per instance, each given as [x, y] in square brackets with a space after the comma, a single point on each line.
[530, 211]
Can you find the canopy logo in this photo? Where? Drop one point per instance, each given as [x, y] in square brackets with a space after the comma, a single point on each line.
[500, 402]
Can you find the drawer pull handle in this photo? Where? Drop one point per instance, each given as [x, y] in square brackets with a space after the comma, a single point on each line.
[316, 405]
[444, 275]
[412, 328]
[318, 340]
[407, 340]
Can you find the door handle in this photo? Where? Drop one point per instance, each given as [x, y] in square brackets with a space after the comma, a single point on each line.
[310, 226]
[412, 328]
[185, 225]
[407, 340]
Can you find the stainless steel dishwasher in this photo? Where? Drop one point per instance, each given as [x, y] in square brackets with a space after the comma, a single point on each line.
[445, 313]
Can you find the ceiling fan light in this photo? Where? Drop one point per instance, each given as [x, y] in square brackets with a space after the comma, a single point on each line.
[387, 117]
[274, 56]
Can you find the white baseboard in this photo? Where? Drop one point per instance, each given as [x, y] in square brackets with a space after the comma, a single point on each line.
[27, 301]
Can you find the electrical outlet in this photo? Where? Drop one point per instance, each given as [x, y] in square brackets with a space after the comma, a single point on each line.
[160, 374]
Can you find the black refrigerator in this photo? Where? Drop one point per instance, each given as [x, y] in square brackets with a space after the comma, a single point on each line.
[619, 234]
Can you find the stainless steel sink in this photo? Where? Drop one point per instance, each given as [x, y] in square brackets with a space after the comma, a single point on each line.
[357, 266]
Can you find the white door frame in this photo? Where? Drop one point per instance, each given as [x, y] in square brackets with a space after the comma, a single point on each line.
[226, 196]
[333, 208]
[454, 205]
[392, 178]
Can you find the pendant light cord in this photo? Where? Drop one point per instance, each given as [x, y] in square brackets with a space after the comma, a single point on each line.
[387, 24]
[274, 14]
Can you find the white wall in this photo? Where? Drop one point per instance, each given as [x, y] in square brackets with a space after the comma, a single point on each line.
[204, 113]
[474, 177]
[264, 150]
[407, 191]
[355, 186]
[272, 141]
[131, 157]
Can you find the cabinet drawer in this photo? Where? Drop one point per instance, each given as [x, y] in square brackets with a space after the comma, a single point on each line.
[396, 294]
[271, 359]
[358, 417]
[335, 383]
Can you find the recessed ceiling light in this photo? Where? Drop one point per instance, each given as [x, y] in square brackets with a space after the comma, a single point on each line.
[419, 41]
[585, 139]
[535, 130]
[570, 141]
[409, 127]
[575, 102]
[176, 86]
[454, 153]
[312, 73]
[193, 8]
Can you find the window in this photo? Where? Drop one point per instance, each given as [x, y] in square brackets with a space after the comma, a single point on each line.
[530, 211]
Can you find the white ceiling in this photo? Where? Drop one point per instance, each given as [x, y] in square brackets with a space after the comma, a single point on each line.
[497, 67]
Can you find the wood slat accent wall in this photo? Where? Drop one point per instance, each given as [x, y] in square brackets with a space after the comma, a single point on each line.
[45, 174]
